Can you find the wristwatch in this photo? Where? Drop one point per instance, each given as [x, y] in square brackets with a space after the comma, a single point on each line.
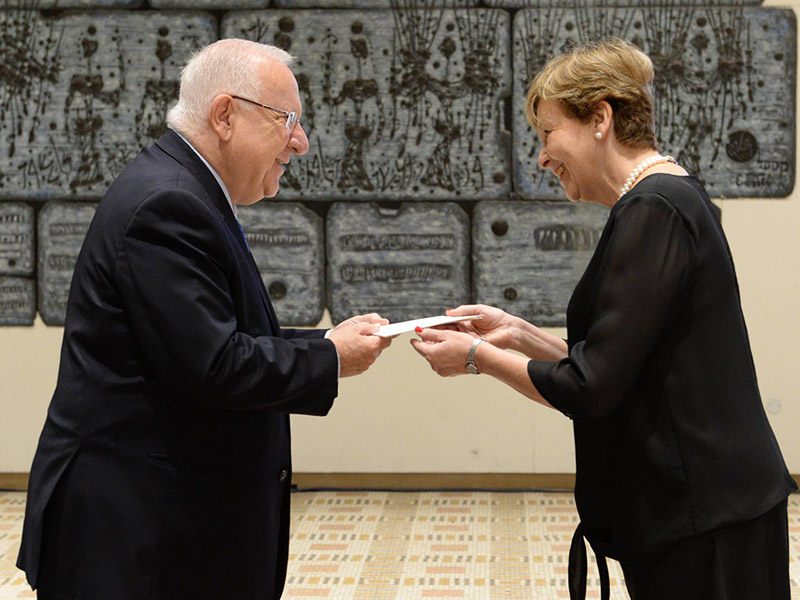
[472, 368]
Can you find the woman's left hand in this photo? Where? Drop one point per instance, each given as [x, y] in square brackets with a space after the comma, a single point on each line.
[445, 350]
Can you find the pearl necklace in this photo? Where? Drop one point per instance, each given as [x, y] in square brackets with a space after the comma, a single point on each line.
[641, 168]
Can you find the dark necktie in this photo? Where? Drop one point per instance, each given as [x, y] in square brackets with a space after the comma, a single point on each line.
[244, 237]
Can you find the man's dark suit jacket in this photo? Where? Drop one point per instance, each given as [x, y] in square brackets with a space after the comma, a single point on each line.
[163, 470]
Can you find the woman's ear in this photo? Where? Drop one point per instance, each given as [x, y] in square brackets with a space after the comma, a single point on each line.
[221, 113]
[602, 120]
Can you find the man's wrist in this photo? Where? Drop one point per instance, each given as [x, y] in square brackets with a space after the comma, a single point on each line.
[338, 360]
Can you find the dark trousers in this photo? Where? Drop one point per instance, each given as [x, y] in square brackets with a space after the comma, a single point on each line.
[747, 561]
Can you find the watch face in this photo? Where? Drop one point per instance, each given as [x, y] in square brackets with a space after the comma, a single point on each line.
[472, 369]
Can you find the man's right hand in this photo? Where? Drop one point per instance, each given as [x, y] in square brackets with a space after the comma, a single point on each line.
[356, 345]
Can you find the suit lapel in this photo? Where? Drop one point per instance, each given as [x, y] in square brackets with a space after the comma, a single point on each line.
[262, 290]
[172, 144]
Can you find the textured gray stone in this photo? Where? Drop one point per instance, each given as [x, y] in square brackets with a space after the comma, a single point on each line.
[287, 244]
[33, 5]
[404, 262]
[528, 256]
[16, 239]
[724, 90]
[601, 5]
[398, 105]
[62, 228]
[361, 4]
[208, 4]
[83, 92]
[17, 301]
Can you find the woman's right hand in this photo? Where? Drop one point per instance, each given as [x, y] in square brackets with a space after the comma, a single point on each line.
[509, 332]
[497, 326]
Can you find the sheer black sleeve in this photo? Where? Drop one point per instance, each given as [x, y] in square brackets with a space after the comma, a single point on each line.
[629, 294]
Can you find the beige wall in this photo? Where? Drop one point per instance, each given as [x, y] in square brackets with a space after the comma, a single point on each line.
[398, 417]
[401, 417]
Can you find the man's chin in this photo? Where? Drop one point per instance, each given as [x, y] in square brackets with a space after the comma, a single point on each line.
[272, 188]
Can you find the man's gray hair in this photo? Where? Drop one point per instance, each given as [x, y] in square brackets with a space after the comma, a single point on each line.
[227, 66]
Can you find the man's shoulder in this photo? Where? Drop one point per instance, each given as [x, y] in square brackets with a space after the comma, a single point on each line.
[172, 144]
[160, 167]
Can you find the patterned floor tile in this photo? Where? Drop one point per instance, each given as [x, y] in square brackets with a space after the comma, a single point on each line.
[358, 545]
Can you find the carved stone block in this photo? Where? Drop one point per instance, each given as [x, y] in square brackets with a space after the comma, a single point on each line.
[35, 5]
[16, 239]
[361, 4]
[404, 262]
[84, 92]
[287, 244]
[601, 5]
[528, 256]
[17, 301]
[724, 89]
[397, 104]
[62, 228]
[207, 4]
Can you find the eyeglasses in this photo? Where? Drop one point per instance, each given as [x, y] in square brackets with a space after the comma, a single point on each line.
[291, 116]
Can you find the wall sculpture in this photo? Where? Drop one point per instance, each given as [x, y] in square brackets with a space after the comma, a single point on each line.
[396, 112]
[420, 190]
[724, 103]
[403, 262]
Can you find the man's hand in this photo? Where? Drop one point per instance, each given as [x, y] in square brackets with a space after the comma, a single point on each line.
[356, 345]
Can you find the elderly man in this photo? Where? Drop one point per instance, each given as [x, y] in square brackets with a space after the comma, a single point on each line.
[164, 469]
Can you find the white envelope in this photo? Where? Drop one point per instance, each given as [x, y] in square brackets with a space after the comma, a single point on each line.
[393, 329]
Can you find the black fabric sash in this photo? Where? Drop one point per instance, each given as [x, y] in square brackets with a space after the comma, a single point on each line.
[578, 567]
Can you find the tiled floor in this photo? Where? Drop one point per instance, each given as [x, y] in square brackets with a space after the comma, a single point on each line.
[415, 545]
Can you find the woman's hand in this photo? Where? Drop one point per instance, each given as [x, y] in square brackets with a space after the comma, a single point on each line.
[508, 332]
[444, 349]
[497, 326]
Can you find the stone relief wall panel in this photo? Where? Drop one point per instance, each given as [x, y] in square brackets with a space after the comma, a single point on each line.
[17, 265]
[208, 4]
[287, 242]
[62, 228]
[34, 5]
[606, 4]
[528, 256]
[397, 104]
[362, 4]
[16, 239]
[724, 89]
[403, 100]
[17, 301]
[404, 262]
[82, 93]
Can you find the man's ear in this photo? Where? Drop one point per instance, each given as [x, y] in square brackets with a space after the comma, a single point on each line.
[221, 113]
[602, 120]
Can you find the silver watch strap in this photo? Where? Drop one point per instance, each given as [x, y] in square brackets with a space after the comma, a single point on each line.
[471, 354]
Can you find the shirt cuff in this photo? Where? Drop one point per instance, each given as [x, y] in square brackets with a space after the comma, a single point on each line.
[338, 362]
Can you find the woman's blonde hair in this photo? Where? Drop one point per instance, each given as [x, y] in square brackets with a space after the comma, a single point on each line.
[610, 69]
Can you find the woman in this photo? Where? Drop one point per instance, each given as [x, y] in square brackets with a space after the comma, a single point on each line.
[679, 476]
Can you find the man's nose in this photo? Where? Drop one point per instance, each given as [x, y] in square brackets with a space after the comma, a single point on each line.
[298, 142]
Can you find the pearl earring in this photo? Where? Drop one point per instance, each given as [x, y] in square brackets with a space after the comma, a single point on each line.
[598, 136]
